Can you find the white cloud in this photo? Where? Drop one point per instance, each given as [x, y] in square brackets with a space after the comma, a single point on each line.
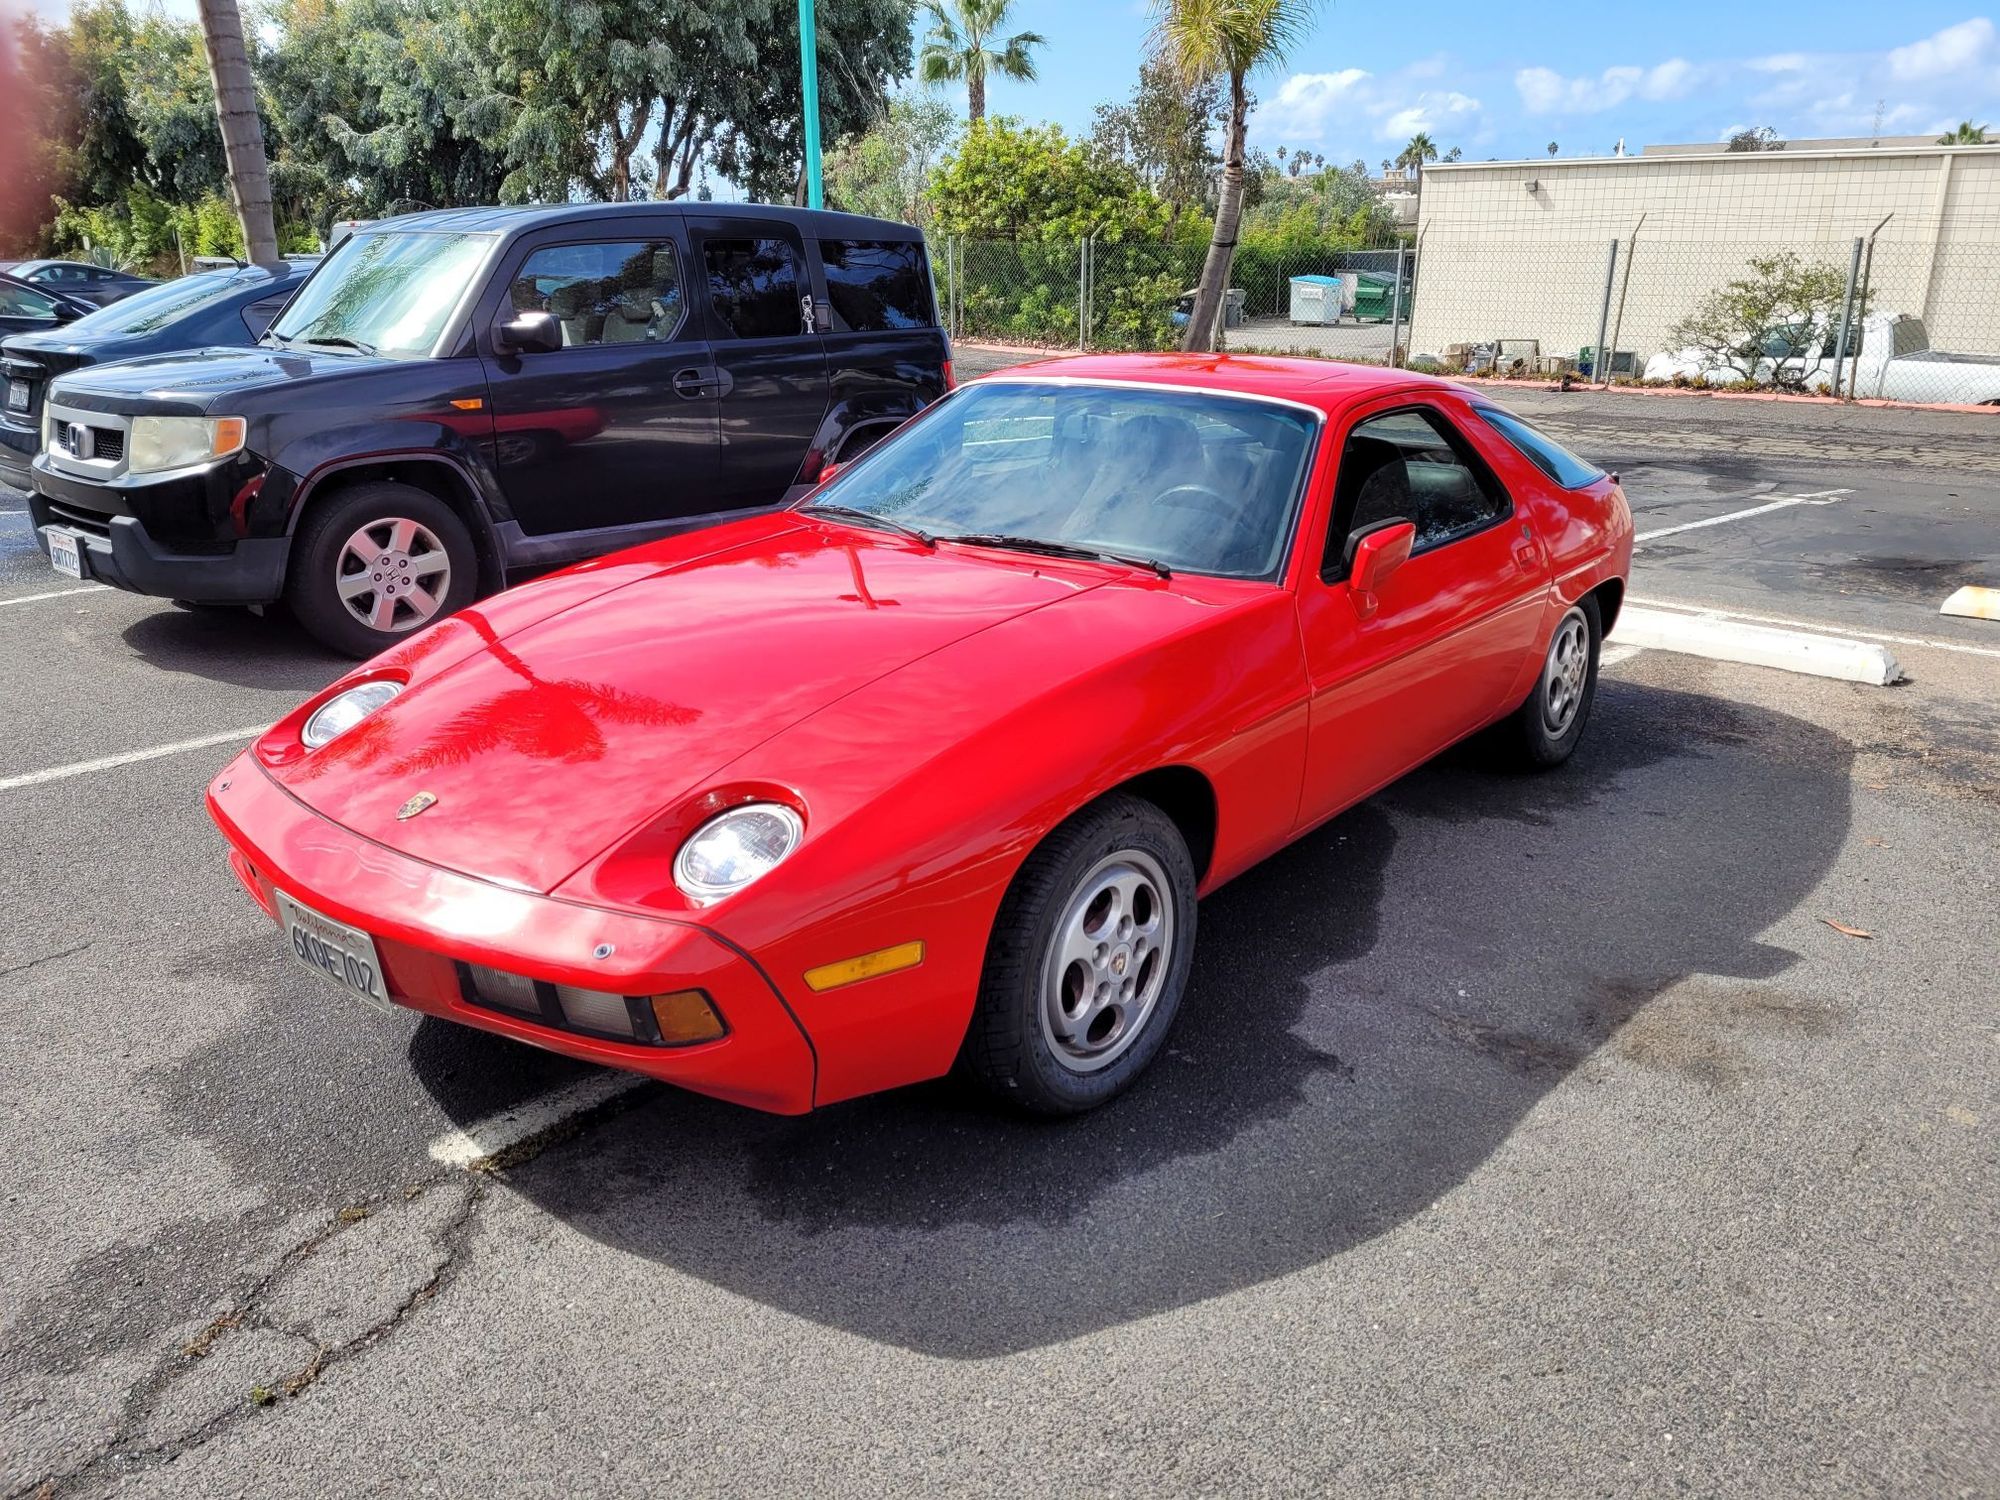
[1544, 91]
[1316, 108]
[1952, 50]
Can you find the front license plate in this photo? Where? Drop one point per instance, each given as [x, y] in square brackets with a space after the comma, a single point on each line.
[65, 554]
[335, 951]
[17, 395]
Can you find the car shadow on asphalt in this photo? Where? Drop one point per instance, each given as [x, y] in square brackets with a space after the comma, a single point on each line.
[235, 646]
[1371, 1014]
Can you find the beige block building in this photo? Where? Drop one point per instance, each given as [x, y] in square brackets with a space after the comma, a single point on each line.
[1518, 249]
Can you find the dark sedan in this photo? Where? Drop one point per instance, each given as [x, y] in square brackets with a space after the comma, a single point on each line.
[207, 310]
[100, 286]
[34, 309]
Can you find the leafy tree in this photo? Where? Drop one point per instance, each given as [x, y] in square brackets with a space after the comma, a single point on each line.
[1009, 181]
[1770, 324]
[1754, 138]
[964, 45]
[38, 120]
[1163, 133]
[1967, 134]
[886, 169]
[1217, 39]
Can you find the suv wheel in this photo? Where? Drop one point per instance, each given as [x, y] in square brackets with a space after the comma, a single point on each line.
[373, 563]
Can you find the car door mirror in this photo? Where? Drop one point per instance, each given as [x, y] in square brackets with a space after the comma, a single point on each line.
[827, 471]
[1377, 554]
[528, 333]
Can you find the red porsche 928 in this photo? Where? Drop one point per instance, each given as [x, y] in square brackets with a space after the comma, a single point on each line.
[932, 767]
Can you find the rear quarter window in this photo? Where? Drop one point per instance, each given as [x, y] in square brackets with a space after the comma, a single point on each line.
[1544, 452]
[875, 285]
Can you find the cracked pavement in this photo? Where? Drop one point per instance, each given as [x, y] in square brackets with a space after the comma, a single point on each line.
[1520, 1137]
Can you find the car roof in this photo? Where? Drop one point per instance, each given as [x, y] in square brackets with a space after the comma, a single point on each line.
[516, 218]
[1327, 384]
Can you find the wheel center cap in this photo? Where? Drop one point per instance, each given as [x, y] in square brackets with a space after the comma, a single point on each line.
[1121, 961]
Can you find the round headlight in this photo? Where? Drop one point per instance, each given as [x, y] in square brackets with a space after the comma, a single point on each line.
[732, 849]
[343, 711]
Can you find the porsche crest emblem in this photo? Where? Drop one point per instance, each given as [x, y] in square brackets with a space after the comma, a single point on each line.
[415, 805]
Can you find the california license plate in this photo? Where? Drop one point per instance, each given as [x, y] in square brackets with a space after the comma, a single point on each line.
[17, 395]
[335, 951]
[65, 554]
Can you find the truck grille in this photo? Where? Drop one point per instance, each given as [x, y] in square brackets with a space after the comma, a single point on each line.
[78, 440]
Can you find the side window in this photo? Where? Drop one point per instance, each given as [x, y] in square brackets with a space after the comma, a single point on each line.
[1411, 465]
[259, 314]
[754, 286]
[1551, 457]
[613, 292]
[19, 302]
[874, 285]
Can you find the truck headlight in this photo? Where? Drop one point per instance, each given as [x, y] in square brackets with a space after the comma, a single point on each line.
[179, 442]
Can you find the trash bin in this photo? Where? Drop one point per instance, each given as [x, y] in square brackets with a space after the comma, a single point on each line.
[1315, 299]
[1232, 307]
[1374, 296]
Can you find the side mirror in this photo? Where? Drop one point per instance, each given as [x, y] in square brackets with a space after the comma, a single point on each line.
[1376, 555]
[528, 333]
[827, 471]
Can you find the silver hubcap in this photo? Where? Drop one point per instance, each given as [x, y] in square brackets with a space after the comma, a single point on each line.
[1114, 944]
[393, 574]
[1564, 672]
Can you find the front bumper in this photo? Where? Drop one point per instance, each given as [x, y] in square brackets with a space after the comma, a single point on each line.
[426, 921]
[120, 551]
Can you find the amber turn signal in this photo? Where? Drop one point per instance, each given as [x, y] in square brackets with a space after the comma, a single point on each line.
[686, 1017]
[867, 966]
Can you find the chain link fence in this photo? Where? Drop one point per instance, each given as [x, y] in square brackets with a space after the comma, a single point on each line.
[1868, 307]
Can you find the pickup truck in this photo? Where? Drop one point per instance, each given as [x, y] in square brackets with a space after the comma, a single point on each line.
[1895, 362]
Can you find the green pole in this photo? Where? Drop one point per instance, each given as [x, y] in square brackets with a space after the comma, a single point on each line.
[809, 93]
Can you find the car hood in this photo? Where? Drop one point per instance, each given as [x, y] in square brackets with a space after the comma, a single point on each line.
[548, 742]
[201, 380]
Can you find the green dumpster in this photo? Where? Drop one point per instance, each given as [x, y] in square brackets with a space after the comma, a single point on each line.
[1374, 296]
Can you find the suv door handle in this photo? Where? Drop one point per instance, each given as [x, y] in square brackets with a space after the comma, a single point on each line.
[692, 385]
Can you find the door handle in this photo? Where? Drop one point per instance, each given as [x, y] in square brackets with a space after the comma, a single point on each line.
[692, 385]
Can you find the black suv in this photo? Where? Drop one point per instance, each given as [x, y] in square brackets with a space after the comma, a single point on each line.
[456, 396]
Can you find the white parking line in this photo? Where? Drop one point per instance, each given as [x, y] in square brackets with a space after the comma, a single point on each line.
[129, 757]
[1717, 612]
[1783, 502]
[1610, 654]
[487, 1138]
[88, 588]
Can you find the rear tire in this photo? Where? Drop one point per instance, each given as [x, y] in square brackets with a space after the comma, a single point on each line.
[1545, 730]
[373, 563]
[1087, 961]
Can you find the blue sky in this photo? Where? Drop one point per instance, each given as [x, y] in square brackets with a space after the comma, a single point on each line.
[1502, 78]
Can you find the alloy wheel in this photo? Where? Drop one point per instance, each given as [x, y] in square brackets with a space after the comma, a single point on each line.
[393, 574]
[1108, 962]
[1564, 673]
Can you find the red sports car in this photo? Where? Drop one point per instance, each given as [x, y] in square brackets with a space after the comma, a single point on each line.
[933, 766]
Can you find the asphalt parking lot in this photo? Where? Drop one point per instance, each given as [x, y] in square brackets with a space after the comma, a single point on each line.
[1521, 1136]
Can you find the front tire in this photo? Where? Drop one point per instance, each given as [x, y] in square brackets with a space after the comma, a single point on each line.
[1087, 962]
[1546, 729]
[374, 563]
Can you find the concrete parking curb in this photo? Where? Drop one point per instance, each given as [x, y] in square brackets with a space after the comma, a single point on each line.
[1721, 639]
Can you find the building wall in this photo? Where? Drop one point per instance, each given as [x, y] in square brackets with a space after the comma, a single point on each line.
[1498, 259]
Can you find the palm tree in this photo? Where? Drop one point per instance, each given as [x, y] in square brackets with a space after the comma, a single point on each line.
[1552, 148]
[1420, 150]
[1967, 134]
[242, 131]
[963, 45]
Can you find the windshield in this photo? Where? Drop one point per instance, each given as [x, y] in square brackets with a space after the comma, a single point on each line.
[157, 306]
[385, 293]
[1202, 482]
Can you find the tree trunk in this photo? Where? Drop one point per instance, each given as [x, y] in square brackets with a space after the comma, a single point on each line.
[975, 93]
[1214, 284]
[242, 130]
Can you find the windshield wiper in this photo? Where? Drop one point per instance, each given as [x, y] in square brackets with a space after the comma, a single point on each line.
[868, 516]
[339, 341]
[1059, 549]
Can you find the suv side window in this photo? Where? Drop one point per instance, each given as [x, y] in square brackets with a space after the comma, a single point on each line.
[608, 292]
[753, 285]
[875, 285]
[258, 315]
[1411, 465]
